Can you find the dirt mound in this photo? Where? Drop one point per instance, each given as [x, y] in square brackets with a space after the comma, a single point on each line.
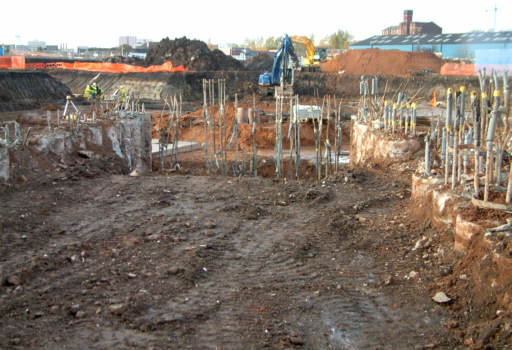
[27, 90]
[126, 60]
[383, 62]
[192, 54]
[260, 62]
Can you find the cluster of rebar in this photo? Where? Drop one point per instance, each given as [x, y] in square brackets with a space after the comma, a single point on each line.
[323, 156]
[216, 150]
[168, 131]
[10, 139]
[216, 147]
[72, 117]
[323, 150]
[396, 115]
[480, 134]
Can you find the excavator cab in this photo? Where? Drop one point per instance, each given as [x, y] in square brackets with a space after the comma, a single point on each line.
[283, 70]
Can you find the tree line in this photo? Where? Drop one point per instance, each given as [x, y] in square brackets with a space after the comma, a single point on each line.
[338, 40]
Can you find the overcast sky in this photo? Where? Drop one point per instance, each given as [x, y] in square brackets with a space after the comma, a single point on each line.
[100, 23]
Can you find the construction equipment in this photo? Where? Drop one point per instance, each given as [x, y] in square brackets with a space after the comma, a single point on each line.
[313, 56]
[283, 70]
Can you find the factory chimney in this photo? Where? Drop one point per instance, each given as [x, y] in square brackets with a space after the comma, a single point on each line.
[407, 21]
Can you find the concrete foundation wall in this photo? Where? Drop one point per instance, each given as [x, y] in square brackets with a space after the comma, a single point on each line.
[435, 201]
[373, 147]
[127, 139]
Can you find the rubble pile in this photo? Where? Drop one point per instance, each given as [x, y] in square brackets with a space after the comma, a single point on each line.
[192, 54]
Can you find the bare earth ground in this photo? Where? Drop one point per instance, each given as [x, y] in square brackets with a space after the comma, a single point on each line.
[197, 262]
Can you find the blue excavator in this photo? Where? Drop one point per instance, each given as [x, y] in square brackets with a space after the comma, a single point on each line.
[283, 70]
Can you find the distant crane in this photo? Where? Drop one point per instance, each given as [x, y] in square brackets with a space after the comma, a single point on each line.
[495, 12]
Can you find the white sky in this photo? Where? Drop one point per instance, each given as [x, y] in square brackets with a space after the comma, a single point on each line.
[100, 23]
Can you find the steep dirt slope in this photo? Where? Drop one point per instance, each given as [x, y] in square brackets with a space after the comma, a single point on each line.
[25, 90]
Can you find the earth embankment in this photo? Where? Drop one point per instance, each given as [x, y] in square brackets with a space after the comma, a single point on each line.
[27, 90]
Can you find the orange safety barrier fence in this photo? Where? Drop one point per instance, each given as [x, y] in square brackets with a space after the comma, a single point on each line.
[15, 63]
[451, 68]
[35, 65]
[12, 62]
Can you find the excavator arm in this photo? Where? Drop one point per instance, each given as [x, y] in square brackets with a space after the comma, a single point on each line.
[310, 48]
[283, 68]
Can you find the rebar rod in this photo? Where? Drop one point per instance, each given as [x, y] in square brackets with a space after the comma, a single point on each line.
[212, 122]
[455, 159]
[206, 122]
[490, 137]
[291, 139]
[449, 137]
[385, 115]
[337, 146]
[393, 117]
[235, 134]
[317, 143]
[327, 141]
[279, 137]
[498, 163]
[462, 107]
[482, 78]
[254, 145]
[297, 139]
[427, 155]
[413, 119]
[506, 101]
[467, 141]
[508, 198]
[221, 115]
[476, 111]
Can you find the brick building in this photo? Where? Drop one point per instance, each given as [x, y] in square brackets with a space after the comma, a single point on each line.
[408, 27]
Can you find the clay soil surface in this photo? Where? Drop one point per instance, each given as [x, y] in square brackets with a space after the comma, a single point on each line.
[387, 62]
[210, 262]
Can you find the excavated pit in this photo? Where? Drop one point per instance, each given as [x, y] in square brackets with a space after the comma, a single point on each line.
[155, 86]
[302, 264]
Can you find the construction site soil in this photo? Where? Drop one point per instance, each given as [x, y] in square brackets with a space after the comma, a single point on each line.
[91, 258]
[192, 54]
[261, 62]
[94, 260]
[383, 62]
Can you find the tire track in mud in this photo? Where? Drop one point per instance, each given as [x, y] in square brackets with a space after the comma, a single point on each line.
[221, 263]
